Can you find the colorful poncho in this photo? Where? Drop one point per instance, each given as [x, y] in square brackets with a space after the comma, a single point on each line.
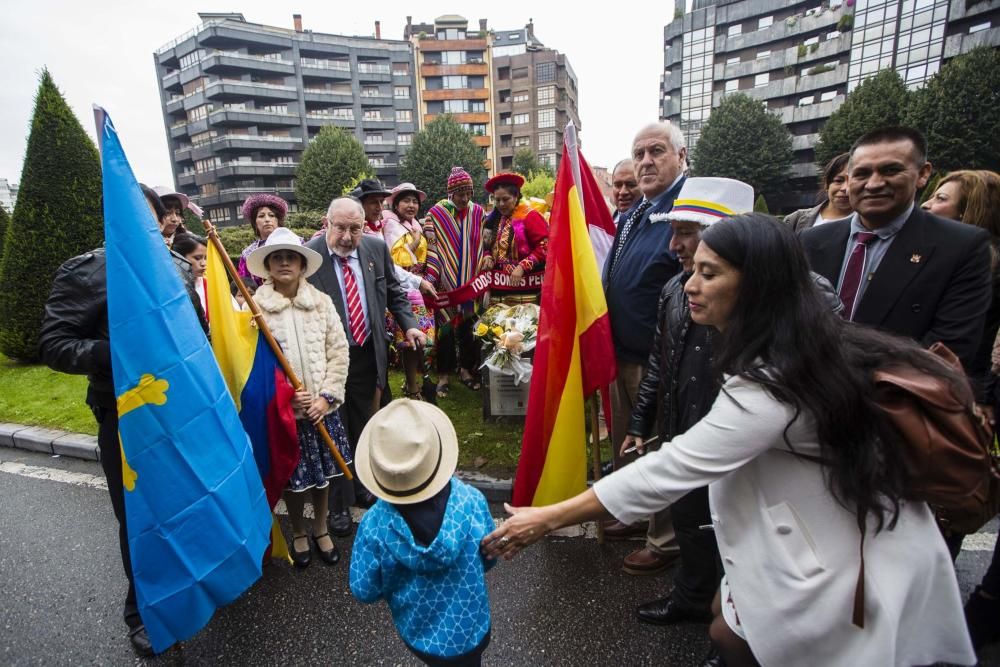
[453, 259]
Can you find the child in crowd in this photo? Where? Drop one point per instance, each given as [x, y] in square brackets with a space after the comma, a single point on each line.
[418, 546]
[251, 286]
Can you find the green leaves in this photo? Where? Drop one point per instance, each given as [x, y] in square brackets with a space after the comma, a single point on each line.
[742, 140]
[331, 161]
[879, 101]
[58, 216]
[437, 148]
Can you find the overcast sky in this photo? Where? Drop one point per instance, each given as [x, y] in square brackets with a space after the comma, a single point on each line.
[102, 53]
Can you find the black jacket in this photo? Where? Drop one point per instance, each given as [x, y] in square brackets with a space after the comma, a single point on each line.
[74, 336]
[674, 372]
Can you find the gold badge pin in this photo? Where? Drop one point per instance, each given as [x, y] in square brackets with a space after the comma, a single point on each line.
[915, 258]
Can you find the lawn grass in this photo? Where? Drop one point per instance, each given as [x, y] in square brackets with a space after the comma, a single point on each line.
[38, 396]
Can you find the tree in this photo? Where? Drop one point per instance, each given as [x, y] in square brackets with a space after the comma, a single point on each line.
[526, 163]
[539, 184]
[437, 148]
[879, 101]
[742, 140]
[332, 159]
[760, 205]
[958, 110]
[57, 216]
[4, 223]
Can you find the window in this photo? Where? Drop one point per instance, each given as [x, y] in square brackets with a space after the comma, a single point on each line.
[545, 72]
[477, 106]
[979, 27]
[218, 215]
[209, 189]
[404, 138]
[400, 69]
[522, 141]
[453, 57]
[546, 141]
[451, 33]
[734, 30]
[401, 92]
[520, 98]
[456, 106]
[369, 91]
[201, 166]
[546, 95]
[503, 73]
[198, 113]
[733, 61]
[478, 129]
[505, 119]
[373, 114]
[811, 41]
[764, 22]
[454, 82]
[520, 73]
[827, 96]
[273, 108]
[191, 59]
[343, 113]
[546, 118]
[504, 96]
[763, 54]
[548, 159]
[404, 116]
[806, 101]
[761, 80]
[376, 160]
[732, 84]
[373, 137]
[522, 118]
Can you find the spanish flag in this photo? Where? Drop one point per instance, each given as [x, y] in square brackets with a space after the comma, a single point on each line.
[574, 355]
[258, 386]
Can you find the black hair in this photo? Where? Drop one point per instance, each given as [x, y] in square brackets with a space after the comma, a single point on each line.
[834, 167]
[782, 335]
[892, 133]
[154, 201]
[186, 243]
[247, 281]
[400, 195]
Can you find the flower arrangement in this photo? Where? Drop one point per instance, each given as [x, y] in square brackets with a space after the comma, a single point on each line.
[508, 332]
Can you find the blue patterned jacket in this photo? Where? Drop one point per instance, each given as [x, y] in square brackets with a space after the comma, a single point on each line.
[437, 593]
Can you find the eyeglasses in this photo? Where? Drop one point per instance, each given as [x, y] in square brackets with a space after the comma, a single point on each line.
[353, 230]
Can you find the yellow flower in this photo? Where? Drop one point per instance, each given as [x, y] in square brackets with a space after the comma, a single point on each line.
[481, 329]
[497, 330]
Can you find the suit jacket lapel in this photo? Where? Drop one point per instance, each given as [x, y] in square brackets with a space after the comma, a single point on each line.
[909, 253]
[327, 277]
[827, 255]
[368, 271]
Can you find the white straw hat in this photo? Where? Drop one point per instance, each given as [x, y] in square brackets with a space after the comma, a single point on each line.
[407, 452]
[283, 238]
[707, 200]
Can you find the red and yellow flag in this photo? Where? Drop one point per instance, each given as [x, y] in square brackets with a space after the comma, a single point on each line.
[574, 355]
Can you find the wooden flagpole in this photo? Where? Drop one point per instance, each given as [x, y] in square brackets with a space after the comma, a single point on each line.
[293, 379]
[595, 446]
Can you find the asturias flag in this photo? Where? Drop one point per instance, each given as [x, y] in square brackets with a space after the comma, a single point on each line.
[258, 386]
[574, 355]
[198, 522]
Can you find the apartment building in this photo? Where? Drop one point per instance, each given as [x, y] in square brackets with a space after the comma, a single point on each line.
[802, 58]
[242, 100]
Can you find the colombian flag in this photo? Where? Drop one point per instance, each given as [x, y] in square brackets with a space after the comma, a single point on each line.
[258, 386]
[574, 355]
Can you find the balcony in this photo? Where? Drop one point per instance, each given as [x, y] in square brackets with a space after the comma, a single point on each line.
[327, 95]
[323, 120]
[830, 49]
[231, 89]
[237, 195]
[178, 129]
[428, 69]
[330, 69]
[373, 68]
[175, 103]
[457, 94]
[171, 80]
[780, 30]
[471, 44]
[252, 117]
[182, 154]
[245, 168]
[185, 178]
[255, 142]
[228, 61]
[380, 100]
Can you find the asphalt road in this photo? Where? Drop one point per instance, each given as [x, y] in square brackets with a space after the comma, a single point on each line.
[563, 602]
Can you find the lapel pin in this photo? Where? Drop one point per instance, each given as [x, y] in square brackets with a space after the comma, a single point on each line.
[915, 258]
[371, 266]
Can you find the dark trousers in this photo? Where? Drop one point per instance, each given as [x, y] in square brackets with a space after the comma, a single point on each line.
[991, 580]
[467, 356]
[358, 407]
[473, 658]
[111, 461]
[699, 574]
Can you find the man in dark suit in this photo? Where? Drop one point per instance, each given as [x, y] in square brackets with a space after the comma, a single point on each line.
[361, 298]
[638, 266]
[897, 267]
[625, 190]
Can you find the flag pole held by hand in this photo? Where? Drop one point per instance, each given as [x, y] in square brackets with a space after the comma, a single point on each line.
[293, 379]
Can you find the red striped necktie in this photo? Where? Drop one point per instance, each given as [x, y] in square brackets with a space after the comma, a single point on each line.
[355, 314]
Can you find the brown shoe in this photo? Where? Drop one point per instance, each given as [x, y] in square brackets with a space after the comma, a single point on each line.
[616, 530]
[646, 562]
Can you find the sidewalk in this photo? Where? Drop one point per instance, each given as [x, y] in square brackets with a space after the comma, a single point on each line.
[80, 446]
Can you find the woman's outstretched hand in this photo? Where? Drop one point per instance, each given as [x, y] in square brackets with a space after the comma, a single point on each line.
[525, 526]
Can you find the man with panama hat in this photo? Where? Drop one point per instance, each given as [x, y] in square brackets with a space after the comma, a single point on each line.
[418, 546]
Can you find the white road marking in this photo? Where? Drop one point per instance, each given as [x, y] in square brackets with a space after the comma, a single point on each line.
[54, 475]
[981, 541]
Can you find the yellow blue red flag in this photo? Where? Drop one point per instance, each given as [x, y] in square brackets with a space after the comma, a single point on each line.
[197, 516]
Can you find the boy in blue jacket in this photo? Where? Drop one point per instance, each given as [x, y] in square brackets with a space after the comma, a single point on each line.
[418, 546]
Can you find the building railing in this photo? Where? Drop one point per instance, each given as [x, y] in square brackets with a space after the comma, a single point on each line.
[326, 114]
[268, 58]
[255, 137]
[373, 68]
[324, 63]
[255, 84]
[180, 123]
[256, 163]
[328, 91]
[283, 114]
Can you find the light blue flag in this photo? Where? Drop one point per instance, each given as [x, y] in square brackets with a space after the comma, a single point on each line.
[198, 519]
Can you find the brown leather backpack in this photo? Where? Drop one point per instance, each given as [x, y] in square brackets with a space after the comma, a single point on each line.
[948, 454]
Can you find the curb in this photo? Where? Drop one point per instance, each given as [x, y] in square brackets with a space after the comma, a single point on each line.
[81, 446]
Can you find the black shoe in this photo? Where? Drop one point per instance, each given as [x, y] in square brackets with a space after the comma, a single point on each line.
[981, 615]
[713, 659]
[301, 558]
[666, 611]
[140, 642]
[364, 498]
[340, 524]
[331, 557]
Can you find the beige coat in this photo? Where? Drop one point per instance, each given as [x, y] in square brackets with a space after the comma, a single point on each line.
[790, 551]
[311, 336]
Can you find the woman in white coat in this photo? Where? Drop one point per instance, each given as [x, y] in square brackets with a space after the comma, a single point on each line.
[797, 390]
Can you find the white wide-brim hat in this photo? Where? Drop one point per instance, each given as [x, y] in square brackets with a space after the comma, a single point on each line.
[283, 238]
[706, 200]
[407, 452]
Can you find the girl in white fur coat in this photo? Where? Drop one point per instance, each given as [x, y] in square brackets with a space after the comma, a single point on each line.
[304, 321]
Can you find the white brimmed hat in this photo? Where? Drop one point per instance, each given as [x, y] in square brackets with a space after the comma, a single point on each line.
[407, 452]
[707, 200]
[164, 192]
[283, 238]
